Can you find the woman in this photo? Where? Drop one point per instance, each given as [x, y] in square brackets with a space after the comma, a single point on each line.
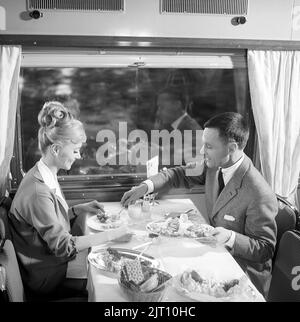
[39, 215]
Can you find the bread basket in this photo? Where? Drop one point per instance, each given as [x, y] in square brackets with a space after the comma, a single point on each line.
[136, 295]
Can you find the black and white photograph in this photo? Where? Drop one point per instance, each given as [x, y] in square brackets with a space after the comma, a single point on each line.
[149, 154]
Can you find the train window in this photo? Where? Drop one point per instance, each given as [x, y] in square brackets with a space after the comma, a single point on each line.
[122, 99]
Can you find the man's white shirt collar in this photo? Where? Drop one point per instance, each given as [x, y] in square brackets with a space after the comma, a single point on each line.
[229, 172]
[177, 122]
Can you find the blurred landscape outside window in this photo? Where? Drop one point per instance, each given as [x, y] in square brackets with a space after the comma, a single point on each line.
[119, 101]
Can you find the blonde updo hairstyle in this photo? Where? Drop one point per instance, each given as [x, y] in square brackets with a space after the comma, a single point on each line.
[58, 125]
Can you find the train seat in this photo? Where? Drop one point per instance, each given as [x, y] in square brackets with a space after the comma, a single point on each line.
[8, 259]
[12, 277]
[287, 218]
[285, 282]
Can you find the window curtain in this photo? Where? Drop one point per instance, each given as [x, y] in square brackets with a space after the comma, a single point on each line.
[10, 59]
[274, 80]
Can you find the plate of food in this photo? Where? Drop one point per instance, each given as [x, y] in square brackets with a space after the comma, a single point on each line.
[178, 227]
[195, 286]
[103, 222]
[111, 259]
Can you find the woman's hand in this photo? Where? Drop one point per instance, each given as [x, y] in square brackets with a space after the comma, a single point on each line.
[93, 207]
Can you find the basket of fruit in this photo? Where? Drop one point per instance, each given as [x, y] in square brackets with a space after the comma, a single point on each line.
[142, 283]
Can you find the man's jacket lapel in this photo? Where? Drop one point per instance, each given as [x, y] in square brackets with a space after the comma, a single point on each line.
[231, 188]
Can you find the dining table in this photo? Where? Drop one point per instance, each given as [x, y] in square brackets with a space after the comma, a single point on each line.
[174, 254]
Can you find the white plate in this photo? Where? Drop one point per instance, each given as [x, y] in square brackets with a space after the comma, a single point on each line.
[94, 223]
[96, 258]
[247, 295]
[160, 224]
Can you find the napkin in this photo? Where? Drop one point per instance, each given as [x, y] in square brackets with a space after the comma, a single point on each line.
[152, 166]
[77, 268]
[134, 271]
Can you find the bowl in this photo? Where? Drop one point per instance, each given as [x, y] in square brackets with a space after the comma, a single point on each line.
[135, 295]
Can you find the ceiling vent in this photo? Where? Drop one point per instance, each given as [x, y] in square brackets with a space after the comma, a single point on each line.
[216, 7]
[77, 5]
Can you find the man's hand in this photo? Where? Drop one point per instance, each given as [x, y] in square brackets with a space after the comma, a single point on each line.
[93, 207]
[222, 235]
[134, 194]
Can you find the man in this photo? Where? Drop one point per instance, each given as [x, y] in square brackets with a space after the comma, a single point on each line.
[240, 204]
[172, 112]
[172, 116]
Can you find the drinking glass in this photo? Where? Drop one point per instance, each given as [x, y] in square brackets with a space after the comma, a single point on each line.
[135, 211]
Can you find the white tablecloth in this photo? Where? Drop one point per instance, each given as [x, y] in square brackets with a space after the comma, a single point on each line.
[175, 255]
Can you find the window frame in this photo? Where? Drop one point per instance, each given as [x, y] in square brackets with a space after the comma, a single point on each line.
[111, 187]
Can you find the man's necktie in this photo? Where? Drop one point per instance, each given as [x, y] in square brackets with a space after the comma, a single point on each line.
[221, 181]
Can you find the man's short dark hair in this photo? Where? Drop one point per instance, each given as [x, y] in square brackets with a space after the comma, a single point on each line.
[232, 127]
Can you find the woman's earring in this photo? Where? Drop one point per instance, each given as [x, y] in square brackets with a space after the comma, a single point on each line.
[54, 150]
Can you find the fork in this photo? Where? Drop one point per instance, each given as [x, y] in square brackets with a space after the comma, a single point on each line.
[178, 214]
[143, 251]
[119, 213]
[189, 210]
[142, 245]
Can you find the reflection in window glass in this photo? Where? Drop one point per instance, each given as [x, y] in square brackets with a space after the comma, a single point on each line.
[114, 103]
